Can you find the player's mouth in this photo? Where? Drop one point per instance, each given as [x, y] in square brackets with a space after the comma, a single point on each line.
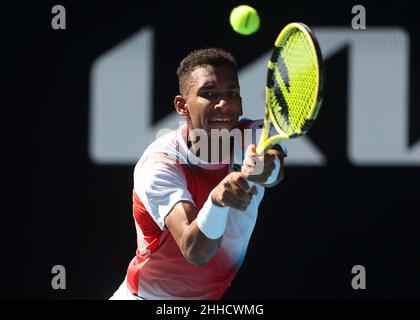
[221, 120]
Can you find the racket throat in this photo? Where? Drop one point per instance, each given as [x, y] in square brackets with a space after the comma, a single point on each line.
[266, 143]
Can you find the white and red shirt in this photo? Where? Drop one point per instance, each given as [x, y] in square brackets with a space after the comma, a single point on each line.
[164, 176]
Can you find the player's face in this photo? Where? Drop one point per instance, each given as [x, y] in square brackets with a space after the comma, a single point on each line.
[213, 98]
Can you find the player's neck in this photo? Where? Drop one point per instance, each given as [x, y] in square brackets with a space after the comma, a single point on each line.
[209, 150]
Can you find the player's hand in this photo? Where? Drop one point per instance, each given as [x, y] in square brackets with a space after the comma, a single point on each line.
[234, 191]
[259, 168]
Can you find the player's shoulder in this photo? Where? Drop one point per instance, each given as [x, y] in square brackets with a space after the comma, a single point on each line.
[163, 142]
[164, 147]
[247, 123]
[157, 169]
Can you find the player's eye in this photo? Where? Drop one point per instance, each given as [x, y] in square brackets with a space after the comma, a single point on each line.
[234, 94]
[207, 94]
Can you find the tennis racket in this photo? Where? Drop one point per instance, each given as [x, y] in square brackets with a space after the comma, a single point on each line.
[294, 89]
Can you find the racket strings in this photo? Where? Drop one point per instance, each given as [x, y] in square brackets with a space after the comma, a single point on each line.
[295, 83]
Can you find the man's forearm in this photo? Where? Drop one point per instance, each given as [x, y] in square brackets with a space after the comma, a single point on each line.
[196, 247]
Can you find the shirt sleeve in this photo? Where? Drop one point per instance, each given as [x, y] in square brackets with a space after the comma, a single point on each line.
[160, 183]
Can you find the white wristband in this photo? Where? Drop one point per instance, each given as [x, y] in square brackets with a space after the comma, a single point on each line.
[274, 175]
[211, 219]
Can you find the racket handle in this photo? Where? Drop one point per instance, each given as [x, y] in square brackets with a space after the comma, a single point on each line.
[271, 179]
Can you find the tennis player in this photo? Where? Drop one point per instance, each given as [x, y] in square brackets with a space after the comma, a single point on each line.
[194, 215]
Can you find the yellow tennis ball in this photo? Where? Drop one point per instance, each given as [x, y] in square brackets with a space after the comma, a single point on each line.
[244, 20]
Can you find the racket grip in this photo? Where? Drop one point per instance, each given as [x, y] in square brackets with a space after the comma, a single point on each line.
[271, 179]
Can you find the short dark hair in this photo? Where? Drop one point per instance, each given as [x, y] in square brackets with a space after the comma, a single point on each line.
[210, 56]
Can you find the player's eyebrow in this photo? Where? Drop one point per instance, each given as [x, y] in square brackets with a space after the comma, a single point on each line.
[207, 85]
[210, 85]
[234, 86]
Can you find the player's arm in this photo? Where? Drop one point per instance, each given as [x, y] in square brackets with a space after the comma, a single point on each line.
[194, 245]
[199, 234]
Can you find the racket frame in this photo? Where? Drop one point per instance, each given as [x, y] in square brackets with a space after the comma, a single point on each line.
[265, 141]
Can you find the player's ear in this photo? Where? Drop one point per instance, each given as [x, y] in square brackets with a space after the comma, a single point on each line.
[180, 105]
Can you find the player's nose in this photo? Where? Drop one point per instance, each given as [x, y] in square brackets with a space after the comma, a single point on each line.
[221, 104]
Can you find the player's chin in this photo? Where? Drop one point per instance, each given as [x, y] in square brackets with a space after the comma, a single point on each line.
[220, 125]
